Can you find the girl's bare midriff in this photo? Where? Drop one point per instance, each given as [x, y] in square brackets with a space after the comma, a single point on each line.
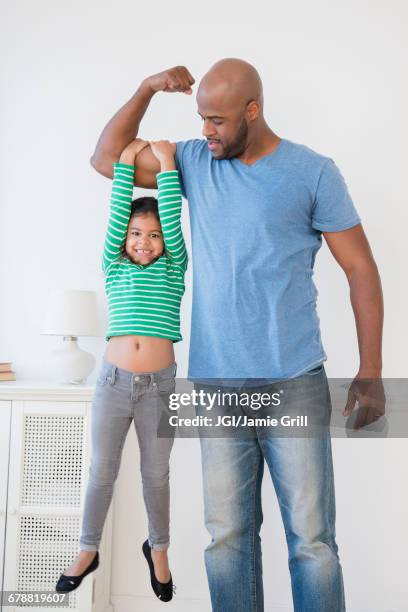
[140, 353]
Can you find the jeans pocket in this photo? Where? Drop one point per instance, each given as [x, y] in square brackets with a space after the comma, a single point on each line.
[315, 371]
[104, 379]
[101, 381]
[166, 386]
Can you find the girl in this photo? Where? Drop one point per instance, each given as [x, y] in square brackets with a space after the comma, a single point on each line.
[144, 261]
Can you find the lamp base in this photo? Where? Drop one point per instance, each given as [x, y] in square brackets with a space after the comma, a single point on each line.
[70, 364]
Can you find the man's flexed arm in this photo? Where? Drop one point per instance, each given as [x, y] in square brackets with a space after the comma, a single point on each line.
[124, 126]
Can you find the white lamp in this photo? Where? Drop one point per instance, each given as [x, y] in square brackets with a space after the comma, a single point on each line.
[71, 314]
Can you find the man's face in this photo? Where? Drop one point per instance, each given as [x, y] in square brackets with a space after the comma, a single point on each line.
[226, 129]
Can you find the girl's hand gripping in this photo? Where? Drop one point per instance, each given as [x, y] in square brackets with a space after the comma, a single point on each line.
[132, 150]
[164, 151]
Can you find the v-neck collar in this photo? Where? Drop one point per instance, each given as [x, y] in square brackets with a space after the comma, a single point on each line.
[261, 159]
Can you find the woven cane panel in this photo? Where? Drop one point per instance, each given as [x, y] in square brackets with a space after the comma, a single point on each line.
[48, 544]
[53, 455]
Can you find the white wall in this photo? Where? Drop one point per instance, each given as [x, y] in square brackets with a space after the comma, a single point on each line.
[333, 78]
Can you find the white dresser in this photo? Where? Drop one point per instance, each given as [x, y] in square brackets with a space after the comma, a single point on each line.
[45, 449]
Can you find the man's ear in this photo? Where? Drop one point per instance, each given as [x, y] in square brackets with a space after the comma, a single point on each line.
[253, 110]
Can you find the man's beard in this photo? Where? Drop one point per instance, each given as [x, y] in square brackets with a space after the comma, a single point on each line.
[238, 146]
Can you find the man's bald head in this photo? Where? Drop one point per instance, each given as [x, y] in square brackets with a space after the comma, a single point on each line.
[230, 102]
[233, 82]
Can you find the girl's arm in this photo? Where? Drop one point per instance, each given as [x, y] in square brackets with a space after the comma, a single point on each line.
[169, 199]
[121, 201]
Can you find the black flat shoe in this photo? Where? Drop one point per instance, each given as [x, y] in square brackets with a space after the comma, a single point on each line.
[66, 584]
[163, 590]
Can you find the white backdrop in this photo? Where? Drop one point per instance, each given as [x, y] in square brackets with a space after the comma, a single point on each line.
[334, 80]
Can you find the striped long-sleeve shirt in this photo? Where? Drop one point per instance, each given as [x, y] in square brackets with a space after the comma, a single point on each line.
[144, 299]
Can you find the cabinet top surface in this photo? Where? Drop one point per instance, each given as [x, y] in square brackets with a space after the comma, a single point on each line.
[36, 389]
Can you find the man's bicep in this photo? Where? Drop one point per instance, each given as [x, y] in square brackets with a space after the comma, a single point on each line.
[146, 168]
[349, 247]
[145, 179]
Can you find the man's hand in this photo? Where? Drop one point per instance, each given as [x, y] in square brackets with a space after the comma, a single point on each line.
[370, 396]
[171, 80]
[130, 152]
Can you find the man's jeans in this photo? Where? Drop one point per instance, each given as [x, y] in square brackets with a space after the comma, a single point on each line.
[302, 474]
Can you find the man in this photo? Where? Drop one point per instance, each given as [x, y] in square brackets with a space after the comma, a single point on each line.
[259, 205]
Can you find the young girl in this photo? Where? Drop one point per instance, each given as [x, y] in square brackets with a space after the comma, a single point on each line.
[144, 261]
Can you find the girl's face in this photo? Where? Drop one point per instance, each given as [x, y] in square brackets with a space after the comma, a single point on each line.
[144, 240]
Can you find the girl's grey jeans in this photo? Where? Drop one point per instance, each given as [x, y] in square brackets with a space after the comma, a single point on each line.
[121, 397]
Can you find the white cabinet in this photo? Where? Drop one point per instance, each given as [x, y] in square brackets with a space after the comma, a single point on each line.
[45, 449]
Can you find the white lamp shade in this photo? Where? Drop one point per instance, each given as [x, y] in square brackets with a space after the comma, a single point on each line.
[71, 313]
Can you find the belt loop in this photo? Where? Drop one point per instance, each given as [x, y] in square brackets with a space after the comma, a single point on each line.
[113, 375]
[175, 370]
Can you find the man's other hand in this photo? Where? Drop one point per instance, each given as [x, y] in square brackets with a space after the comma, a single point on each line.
[369, 394]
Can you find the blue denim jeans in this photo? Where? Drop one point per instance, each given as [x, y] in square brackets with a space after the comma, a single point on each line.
[302, 474]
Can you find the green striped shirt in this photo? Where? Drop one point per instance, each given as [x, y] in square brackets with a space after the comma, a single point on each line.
[144, 300]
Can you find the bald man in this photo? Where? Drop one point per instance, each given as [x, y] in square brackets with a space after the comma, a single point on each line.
[259, 206]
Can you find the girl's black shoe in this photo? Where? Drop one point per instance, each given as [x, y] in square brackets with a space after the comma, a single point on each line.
[66, 584]
[163, 590]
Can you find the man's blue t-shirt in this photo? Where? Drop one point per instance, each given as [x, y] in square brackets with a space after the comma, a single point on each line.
[255, 234]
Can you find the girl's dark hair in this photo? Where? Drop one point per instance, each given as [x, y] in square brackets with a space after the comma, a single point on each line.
[142, 206]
